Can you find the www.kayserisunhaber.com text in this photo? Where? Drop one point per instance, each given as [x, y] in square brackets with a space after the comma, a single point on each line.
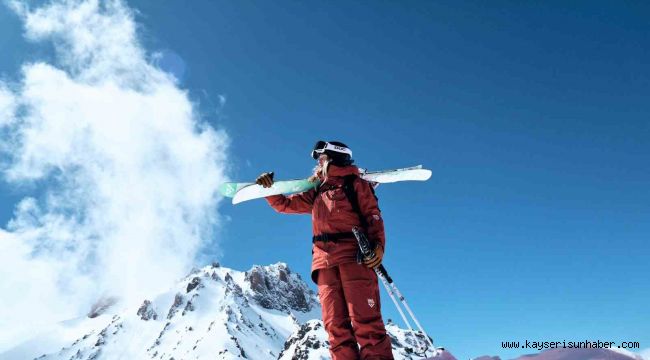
[541, 345]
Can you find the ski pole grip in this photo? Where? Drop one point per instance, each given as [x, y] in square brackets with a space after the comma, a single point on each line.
[384, 273]
[367, 251]
[362, 240]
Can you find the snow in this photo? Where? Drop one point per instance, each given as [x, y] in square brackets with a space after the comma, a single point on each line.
[212, 313]
[55, 337]
[218, 317]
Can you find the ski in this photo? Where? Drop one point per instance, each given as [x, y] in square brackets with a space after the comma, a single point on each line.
[241, 192]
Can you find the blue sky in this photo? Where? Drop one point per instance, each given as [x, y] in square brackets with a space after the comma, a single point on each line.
[534, 119]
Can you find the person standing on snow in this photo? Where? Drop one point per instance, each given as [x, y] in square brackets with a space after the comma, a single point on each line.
[348, 290]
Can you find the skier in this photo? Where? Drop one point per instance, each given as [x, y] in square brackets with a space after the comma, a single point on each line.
[348, 288]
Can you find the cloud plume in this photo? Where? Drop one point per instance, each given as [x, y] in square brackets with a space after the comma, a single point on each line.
[123, 171]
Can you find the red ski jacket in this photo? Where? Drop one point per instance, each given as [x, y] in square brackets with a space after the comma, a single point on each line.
[331, 212]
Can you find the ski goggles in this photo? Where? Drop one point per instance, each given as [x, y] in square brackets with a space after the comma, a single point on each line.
[323, 146]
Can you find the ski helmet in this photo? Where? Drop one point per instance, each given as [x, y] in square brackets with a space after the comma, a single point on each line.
[339, 153]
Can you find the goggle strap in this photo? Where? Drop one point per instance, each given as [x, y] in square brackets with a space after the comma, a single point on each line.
[335, 148]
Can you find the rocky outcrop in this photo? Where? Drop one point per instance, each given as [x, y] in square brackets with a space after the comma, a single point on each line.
[309, 342]
[178, 301]
[276, 287]
[100, 307]
[193, 284]
[146, 311]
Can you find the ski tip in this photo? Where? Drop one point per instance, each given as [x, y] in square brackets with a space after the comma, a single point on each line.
[236, 200]
[229, 189]
[226, 189]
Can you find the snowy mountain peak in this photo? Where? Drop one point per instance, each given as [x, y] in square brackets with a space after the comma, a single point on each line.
[213, 312]
[267, 312]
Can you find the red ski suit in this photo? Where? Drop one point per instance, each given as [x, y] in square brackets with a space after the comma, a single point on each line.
[349, 292]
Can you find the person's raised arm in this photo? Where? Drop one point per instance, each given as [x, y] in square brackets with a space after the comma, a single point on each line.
[300, 203]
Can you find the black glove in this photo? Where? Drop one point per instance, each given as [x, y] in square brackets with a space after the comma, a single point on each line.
[375, 261]
[360, 258]
[266, 179]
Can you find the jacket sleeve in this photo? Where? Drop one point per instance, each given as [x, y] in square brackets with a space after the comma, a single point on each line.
[370, 211]
[300, 203]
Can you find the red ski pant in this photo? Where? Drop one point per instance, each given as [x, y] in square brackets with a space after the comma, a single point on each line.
[349, 294]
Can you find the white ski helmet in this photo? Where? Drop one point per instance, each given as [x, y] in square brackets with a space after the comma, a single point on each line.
[339, 153]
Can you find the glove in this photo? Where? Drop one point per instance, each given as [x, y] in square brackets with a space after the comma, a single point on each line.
[266, 179]
[375, 261]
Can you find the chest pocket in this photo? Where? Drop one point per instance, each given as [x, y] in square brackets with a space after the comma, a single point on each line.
[336, 194]
[334, 199]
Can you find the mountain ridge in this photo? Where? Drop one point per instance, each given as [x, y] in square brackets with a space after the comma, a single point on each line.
[267, 312]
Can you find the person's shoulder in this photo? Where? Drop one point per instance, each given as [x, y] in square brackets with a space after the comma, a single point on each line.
[360, 181]
[342, 171]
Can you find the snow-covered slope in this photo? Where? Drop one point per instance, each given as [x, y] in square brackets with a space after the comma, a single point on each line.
[267, 312]
[310, 343]
[214, 312]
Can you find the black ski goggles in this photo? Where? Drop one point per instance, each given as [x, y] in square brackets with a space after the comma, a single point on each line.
[323, 146]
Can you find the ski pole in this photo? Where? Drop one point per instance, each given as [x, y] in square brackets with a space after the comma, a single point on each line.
[381, 272]
[392, 297]
[408, 308]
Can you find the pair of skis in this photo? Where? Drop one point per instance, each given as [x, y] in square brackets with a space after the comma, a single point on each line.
[240, 192]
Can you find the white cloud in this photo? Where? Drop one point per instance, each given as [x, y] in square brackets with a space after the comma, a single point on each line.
[128, 171]
[7, 105]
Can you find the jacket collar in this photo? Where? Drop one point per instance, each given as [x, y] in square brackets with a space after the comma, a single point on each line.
[334, 171]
